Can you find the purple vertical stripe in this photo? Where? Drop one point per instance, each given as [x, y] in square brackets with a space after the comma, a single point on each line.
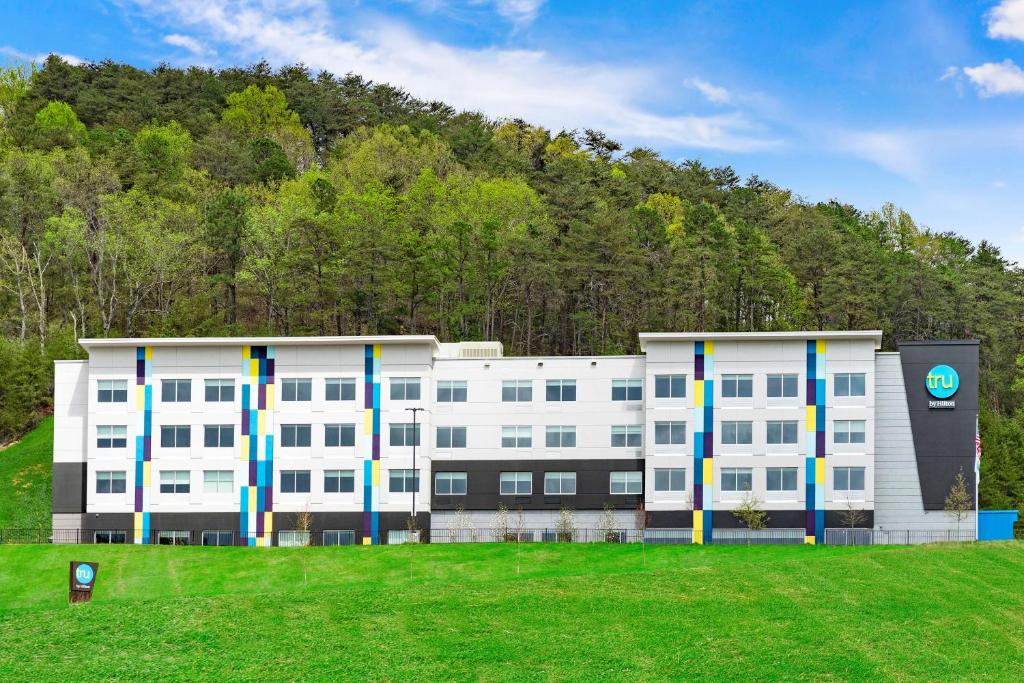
[698, 366]
[263, 397]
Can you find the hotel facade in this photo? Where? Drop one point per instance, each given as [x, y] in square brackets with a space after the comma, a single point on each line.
[257, 441]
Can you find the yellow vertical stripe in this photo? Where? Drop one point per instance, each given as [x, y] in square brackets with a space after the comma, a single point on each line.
[376, 350]
[261, 422]
[268, 523]
[146, 473]
[820, 346]
[698, 393]
[709, 348]
[149, 353]
[375, 472]
[819, 470]
[246, 352]
[140, 396]
[244, 455]
[270, 396]
[254, 367]
[709, 470]
[366, 540]
[809, 540]
[252, 499]
[368, 421]
[812, 419]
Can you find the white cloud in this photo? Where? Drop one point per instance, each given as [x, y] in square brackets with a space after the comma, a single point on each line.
[1006, 20]
[518, 11]
[897, 151]
[39, 58]
[499, 82]
[992, 78]
[187, 42]
[999, 184]
[714, 93]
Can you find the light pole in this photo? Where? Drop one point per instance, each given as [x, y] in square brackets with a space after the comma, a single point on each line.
[415, 476]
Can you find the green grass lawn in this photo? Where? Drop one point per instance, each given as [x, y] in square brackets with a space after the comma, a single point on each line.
[570, 612]
[25, 471]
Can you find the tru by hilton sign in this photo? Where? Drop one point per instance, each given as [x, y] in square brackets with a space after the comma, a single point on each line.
[942, 383]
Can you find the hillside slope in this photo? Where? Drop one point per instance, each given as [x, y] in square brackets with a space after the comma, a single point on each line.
[580, 613]
[25, 472]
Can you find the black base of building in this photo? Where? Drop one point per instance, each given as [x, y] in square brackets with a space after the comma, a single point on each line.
[777, 519]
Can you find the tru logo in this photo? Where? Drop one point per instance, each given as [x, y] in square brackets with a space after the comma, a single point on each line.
[942, 381]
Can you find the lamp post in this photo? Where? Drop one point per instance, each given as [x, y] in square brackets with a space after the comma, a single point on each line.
[415, 476]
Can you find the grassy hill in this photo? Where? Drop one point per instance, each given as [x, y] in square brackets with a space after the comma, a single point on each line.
[579, 613]
[25, 473]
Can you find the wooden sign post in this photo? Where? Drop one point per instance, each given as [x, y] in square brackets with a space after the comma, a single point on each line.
[81, 580]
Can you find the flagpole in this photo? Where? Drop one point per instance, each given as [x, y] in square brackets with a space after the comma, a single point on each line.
[977, 476]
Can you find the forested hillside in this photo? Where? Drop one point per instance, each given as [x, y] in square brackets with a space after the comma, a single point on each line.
[199, 202]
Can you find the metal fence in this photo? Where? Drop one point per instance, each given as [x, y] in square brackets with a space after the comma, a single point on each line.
[288, 538]
[896, 536]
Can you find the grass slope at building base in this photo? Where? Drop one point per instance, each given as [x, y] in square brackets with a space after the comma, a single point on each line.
[508, 613]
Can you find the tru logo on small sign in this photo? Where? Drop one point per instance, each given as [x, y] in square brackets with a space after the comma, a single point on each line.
[81, 581]
[942, 382]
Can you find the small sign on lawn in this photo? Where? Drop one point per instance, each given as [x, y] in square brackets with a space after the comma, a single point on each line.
[81, 580]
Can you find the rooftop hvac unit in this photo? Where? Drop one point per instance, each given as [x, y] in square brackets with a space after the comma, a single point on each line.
[480, 350]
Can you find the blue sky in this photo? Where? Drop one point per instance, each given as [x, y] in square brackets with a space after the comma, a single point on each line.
[914, 102]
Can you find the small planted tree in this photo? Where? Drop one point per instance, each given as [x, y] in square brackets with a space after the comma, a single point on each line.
[852, 516]
[520, 524]
[608, 525]
[958, 501]
[413, 528]
[749, 512]
[304, 526]
[565, 528]
[462, 524]
[641, 520]
[501, 524]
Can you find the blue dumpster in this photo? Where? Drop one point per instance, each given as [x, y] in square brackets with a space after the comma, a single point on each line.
[996, 525]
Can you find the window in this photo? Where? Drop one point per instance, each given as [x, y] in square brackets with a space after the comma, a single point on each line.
[110, 482]
[218, 436]
[405, 434]
[737, 386]
[627, 436]
[626, 482]
[516, 390]
[559, 483]
[516, 483]
[339, 435]
[782, 479]
[336, 537]
[218, 481]
[561, 390]
[849, 384]
[174, 481]
[220, 391]
[405, 388]
[175, 436]
[110, 537]
[782, 386]
[403, 481]
[112, 391]
[627, 389]
[292, 538]
[670, 479]
[296, 436]
[849, 431]
[737, 479]
[670, 386]
[451, 391]
[294, 481]
[218, 538]
[450, 483]
[451, 437]
[339, 481]
[669, 433]
[340, 390]
[737, 432]
[848, 479]
[560, 436]
[782, 431]
[111, 436]
[176, 390]
[173, 537]
[296, 390]
[517, 436]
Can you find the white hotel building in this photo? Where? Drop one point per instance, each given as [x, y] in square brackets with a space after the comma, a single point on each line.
[234, 440]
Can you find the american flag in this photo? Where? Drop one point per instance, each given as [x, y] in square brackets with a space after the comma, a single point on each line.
[977, 447]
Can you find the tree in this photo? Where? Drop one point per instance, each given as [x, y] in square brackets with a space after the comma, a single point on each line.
[959, 503]
[565, 527]
[749, 512]
[57, 125]
[609, 525]
[852, 516]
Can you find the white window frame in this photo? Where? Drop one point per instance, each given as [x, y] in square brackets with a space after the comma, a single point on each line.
[342, 384]
[406, 478]
[782, 473]
[734, 427]
[345, 433]
[114, 389]
[177, 383]
[110, 477]
[563, 436]
[517, 479]
[221, 430]
[219, 385]
[291, 432]
[448, 433]
[848, 472]
[673, 474]
[561, 478]
[736, 381]
[519, 386]
[843, 432]
[294, 386]
[676, 381]
[176, 479]
[112, 434]
[522, 436]
[781, 378]
[562, 385]
[218, 481]
[630, 482]
[452, 391]
[450, 478]
[341, 475]
[632, 436]
[628, 386]
[735, 473]
[842, 384]
[781, 426]
[400, 388]
[409, 433]
[178, 431]
[294, 475]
